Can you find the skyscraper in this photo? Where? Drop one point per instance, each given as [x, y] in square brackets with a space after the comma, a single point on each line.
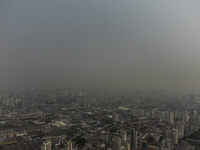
[118, 142]
[152, 114]
[124, 136]
[134, 139]
[114, 116]
[185, 116]
[127, 146]
[180, 128]
[69, 143]
[174, 136]
[133, 113]
[171, 118]
[195, 112]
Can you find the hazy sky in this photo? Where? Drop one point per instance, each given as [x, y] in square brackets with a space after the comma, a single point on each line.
[100, 43]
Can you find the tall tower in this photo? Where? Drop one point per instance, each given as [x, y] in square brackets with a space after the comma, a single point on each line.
[141, 140]
[174, 136]
[171, 118]
[180, 128]
[134, 139]
[114, 116]
[0, 113]
[133, 113]
[142, 113]
[185, 116]
[124, 136]
[192, 97]
[195, 112]
[69, 143]
[127, 146]
[118, 142]
[152, 114]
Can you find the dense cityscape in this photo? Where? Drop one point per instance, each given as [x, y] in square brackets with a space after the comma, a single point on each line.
[99, 75]
[97, 119]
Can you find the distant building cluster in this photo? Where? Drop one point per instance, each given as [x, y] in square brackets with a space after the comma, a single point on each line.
[97, 119]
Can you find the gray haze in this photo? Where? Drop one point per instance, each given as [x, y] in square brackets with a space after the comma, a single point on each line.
[104, 43]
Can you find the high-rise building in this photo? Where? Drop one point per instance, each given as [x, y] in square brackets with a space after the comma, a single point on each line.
[134, 139]
[171, 118]
[167, 134]
[192, 97]
[176, 114]
[174, 136]
[0, 114]
[127, 146]
[69, 143]
[46, 145]
[114, 116]
[165, 116]
[195, 112]
[118, 142]
[185, 116]
[180, 128]
[142, 113]
[141, 141]
[152, 114]
[147, 114]
[124, 136]
[133, 113]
